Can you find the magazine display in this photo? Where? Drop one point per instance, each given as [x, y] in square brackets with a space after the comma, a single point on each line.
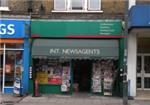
[96, 78]
[65, 86]
[103, 75]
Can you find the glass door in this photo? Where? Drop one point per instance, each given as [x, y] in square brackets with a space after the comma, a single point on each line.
[11, 65]
[146, 73]
[143, 72]
[139, 72]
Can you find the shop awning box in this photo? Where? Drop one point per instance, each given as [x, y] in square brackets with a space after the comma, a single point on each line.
[74, 49]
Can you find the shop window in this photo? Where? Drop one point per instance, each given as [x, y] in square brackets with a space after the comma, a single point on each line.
[53, 72]
[104, 70]
[1, 46]
[4, 5]
[9, 68]
[77, 5]
[13, 66]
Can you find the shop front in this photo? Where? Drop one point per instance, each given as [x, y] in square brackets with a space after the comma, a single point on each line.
[139, 53]
[14, 52]
[73, 57]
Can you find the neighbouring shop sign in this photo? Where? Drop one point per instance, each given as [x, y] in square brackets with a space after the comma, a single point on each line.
[76, 28]
[73, 48]
[14, 28]
[138, 20]
[7, 29]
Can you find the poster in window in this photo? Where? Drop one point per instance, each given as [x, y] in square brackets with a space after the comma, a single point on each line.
[42, 77]
[18, 69]
[8, 68]
[54, 76]
[17, 80]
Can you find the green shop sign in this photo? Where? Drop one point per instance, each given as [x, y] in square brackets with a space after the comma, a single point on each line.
[61, 28]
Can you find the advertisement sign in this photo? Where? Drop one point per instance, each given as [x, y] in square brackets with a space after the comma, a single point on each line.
[17, 86]
[14, 28]
[55, 81]
[17, 80]
[76, 28]
[42, 77]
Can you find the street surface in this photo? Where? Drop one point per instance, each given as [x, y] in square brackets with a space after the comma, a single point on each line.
[67, 100]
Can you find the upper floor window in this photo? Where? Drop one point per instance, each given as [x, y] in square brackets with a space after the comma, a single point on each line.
[4, 5]
[77, 5]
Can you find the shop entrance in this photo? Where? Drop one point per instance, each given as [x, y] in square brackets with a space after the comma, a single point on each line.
[10, 65]
[143, 68]
[82, 70]
[143, 72]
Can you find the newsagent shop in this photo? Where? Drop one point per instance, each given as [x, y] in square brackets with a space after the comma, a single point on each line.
[14, 54]
[76, 56]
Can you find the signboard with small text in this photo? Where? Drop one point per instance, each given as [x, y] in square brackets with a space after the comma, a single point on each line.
[74, 28]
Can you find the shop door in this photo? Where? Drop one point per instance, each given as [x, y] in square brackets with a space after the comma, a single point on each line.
[10, 66]
[143, 72]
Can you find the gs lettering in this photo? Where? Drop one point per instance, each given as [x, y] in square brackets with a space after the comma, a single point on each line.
[7, 29]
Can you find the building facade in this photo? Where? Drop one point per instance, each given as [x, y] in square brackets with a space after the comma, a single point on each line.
[73, 44]
[14, 50]
[74, 40]
[79, 53]
[138, 49]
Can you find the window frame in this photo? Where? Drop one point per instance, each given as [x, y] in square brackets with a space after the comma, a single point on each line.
[85, 8]
[76, 7]
[89, 4]
[4, 5]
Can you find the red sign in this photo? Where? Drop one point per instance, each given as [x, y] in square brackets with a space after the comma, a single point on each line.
[55, 81]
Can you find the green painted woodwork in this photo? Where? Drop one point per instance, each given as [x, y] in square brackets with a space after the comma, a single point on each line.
[50, 89]
[121, 65]
[45, 28]
[30, 86]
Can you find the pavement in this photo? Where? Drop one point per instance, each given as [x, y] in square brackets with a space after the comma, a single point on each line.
[67, 100]
[9, 99]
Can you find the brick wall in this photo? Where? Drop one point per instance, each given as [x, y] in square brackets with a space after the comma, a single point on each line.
[143, 2]
[18, 6]
[43, 8]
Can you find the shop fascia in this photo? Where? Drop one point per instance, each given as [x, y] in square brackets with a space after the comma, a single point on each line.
[7, 29]
[74, 51]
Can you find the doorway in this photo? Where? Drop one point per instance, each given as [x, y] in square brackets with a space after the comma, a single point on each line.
[143, 72]
[82, 70]
[10, 65]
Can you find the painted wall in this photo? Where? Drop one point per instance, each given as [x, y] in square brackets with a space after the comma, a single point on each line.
[131, 61]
